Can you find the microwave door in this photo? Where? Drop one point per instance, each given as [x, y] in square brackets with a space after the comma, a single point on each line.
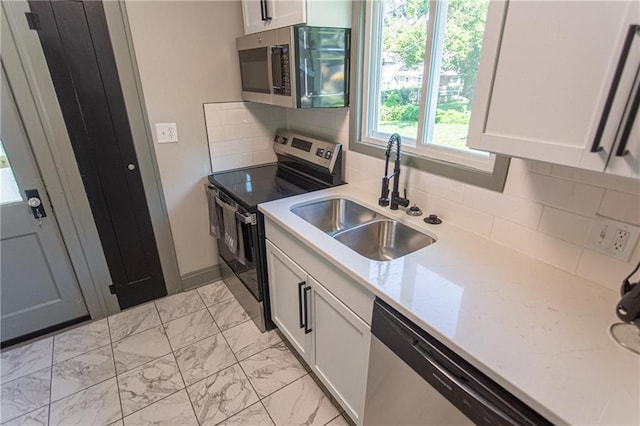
[254, 70]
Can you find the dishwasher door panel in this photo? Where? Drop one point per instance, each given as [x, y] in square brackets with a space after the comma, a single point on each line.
[397, 395]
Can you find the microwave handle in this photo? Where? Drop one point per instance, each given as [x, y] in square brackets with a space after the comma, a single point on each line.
[276, 67]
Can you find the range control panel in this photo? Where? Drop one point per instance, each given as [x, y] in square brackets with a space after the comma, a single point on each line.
[309, 148]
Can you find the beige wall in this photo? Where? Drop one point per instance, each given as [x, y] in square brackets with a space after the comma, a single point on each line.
[186, 55]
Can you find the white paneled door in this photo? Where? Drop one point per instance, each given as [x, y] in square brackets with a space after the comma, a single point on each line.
[38, 286]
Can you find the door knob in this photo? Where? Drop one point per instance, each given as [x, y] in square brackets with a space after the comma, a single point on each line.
[131, 166]
[34, 202]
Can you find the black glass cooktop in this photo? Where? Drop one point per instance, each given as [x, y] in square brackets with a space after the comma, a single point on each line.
[254, 185]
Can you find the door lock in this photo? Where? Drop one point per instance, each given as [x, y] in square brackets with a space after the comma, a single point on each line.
[35, 203]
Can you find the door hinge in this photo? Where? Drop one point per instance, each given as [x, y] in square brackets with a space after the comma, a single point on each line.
[112, 289]
[33, 21]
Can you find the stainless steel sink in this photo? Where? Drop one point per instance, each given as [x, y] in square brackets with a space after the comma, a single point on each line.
[384, 240]
[335, 215]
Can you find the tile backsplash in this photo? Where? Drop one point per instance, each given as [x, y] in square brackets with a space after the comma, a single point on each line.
[240, 134]
[545, 210]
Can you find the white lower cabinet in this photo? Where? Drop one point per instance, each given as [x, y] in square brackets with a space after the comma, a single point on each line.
[331, 338]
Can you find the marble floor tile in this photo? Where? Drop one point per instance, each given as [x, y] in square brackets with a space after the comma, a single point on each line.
[339, 421]
[140, 348]
[81, 372]
[190, 329]
[97, 405]
[301, 403]
[174, 410]
[26, 359]
[39, 417]
[215, 293]
[203, 358]
[25, 394]
[179, 305]
[133, 321]
[272, 369]
[255, 415]
[245, 339]
[80, 340]
[221, 395]
[148, 383]
[228, 313]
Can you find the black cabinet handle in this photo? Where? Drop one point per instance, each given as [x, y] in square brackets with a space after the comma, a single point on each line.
[300, 285]
[266, 12]
[307, 330]
[631, 118]
[626, 48]
[262, 4]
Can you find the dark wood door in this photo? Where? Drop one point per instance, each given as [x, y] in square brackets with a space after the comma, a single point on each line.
[76, 44]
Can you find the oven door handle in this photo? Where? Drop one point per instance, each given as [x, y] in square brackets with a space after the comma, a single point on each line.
[246, 219]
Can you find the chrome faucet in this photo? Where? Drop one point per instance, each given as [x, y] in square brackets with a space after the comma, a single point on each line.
[395, 199]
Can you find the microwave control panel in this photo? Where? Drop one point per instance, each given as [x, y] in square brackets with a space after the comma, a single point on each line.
[281, 71]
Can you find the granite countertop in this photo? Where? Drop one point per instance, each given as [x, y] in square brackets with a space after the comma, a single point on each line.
[539, 331]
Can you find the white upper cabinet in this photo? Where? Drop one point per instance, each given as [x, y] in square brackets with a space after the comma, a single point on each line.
[262, 15]
[558, 82]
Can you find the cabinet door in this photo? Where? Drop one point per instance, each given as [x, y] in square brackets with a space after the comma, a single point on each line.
[544, 76]
[286, 283]
[340, 350]
[253, 16]
[286, 12]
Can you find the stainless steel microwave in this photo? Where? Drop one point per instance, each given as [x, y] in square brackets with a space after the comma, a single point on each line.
[296, 67]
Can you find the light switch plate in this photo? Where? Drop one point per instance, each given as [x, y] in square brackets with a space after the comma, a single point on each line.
[167, 132]
[616, 239]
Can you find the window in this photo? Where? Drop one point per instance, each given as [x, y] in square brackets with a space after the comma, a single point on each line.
[418, 70]
[9, 192]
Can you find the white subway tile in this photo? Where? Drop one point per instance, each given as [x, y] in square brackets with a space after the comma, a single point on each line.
[535, 244]
[231, 147]
[463, 217]
[604, 269]
[239, 116]
[222, 106]
[575, 197]
[261, 143]
[278, 114]
[263, 157]
[515, 209]
[517, 178]
[562, 172]
[632, 186]
[215, 118]
[621, 206]
[567, 226]
[229, 162]
[540, 167]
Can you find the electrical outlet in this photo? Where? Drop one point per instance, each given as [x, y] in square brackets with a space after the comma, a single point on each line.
[617, 239]
[167, 132]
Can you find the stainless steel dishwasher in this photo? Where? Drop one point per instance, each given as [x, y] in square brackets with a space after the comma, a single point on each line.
[416, 380]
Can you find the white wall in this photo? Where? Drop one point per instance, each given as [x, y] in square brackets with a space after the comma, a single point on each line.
[186, 55]
[545, 211]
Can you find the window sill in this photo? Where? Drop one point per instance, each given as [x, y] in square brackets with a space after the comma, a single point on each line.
[489, 180]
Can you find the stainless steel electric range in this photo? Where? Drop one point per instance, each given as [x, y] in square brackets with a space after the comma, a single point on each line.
[305, 164]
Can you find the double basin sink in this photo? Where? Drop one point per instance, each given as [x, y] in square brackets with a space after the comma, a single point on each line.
[366, 232]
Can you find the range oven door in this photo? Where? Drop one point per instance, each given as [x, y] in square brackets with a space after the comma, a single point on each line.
[247, 272]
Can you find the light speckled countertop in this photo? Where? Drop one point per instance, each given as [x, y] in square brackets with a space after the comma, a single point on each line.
[539, 331]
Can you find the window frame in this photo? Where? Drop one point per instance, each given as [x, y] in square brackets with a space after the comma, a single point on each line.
[432, 158]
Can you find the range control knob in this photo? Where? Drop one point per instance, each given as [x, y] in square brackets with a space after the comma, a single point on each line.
[433, 219]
